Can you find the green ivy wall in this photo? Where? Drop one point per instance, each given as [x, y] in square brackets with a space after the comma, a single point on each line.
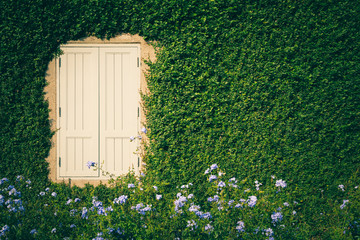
[259, 87]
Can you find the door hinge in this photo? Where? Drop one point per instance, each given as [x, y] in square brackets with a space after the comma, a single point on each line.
[59, 62]
[138, 162]
[138, 62]
[138, 112]
[59, 161]
[59, 111]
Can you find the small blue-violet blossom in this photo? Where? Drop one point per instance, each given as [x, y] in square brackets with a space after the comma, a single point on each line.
[90, 164]
[131, 185]
[276, 217]
[268, 232]
[221, 184]
[252, 201]
[212, 177]
[84, 213]
[144, 130]
[213, 167]
[191, 224]
[120, 200]
[241, 226]
[179, 203]
[344, 202]
[209, 228]
[280, 183]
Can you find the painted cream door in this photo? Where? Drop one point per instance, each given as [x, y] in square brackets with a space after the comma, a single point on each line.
[98, 101]
[119, 102]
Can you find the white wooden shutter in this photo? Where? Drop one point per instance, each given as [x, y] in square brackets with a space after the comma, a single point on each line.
[79, 119]
[119, 103]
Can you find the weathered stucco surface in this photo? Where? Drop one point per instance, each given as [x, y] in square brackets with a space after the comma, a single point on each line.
[147, 52]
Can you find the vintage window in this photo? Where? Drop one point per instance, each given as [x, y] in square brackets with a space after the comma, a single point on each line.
[98, 100]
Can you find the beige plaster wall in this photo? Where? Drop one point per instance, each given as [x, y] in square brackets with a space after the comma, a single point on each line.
[147, 52]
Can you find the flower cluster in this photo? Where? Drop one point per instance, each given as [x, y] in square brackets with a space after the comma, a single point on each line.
[276, 217]
[280, 183]
[343, 205]
[120, 200]
[240, 226]
[238, 210]
[141, 208]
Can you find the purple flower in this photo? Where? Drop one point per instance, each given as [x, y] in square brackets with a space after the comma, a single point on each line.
[144, 130]
[207, 171]
[213, 167]
[158, 196]
[90, 164]
[252, 201]
[241, 226]
[14, 192]
[268, 232]
[233, 179]
[215, 199]
[257, 184]
[155, 187]
[4, 229]
[209, 228]
[53, 230]
[84, 213]
[280, 183]
[191, 224]
[342, 187]
[68, 201]
[343, 205]
[139, 206]
[206, 215]
[33, 231]
[221, 184]
[194, 208]
[238, 205]
[132, 138]
[179, 203]
[120, 200]
[53, 194]
[131, 185]
[212, 177]
[276, 217]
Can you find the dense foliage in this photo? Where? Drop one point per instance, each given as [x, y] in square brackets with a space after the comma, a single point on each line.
[260, 87]
[134, 209]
